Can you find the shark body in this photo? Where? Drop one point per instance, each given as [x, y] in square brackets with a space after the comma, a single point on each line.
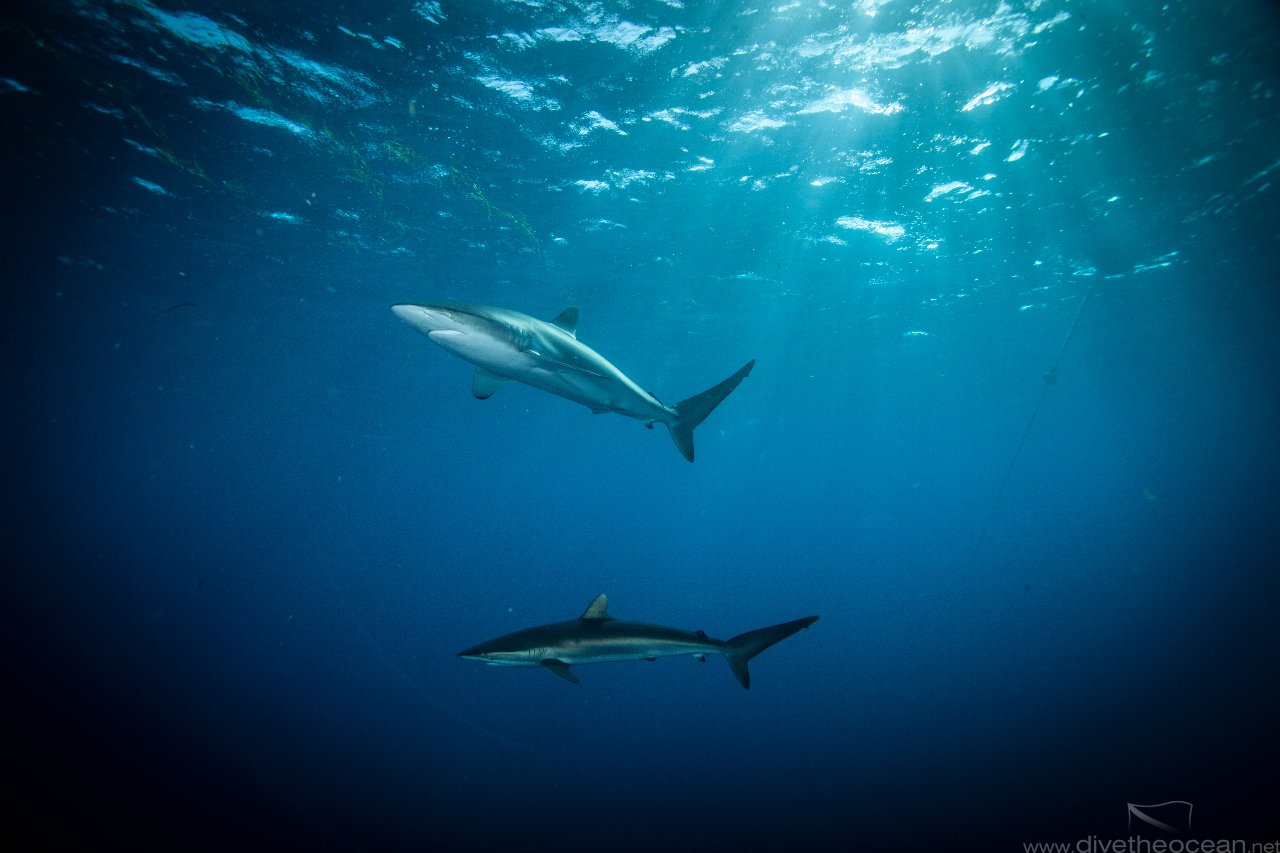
[507, 345]
[596, 637]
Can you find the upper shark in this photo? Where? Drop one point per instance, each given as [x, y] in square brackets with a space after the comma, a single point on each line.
[596, 637]
[507, 345]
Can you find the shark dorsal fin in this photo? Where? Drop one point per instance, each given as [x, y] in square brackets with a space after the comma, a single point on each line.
[597, 610]
[567, 320]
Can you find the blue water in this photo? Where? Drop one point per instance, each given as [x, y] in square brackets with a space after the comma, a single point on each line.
[1008, 270]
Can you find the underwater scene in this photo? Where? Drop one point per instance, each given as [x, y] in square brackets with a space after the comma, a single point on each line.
[642, 425]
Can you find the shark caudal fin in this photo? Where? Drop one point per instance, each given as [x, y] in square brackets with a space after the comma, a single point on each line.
[744, 647]
[693, 411]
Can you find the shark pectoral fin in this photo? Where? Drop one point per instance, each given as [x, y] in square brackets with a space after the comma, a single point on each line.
[485, 382]
[561, 669]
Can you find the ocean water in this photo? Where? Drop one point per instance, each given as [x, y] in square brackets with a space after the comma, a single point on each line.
[1008, 270]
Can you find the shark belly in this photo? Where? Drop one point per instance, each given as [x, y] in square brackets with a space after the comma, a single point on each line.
[629, 645]
[600, 393]
[591, 391]
[574, 371]
[606, 654]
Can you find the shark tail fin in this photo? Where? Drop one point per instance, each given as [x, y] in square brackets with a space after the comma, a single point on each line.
[744, 647]
[693, 411]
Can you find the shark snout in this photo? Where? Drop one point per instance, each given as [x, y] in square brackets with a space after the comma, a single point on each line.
[476, 652]
[428, 318]
[420, 316]
[405, 312]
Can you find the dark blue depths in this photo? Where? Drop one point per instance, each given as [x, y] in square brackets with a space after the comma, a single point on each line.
[1008, 272]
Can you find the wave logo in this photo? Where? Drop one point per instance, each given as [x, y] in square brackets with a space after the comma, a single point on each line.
[1171, 817]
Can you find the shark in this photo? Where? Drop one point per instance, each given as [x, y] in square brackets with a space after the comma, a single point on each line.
[596, 637]
[506, 345]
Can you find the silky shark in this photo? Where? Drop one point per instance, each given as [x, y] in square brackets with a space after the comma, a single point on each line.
[596, 637]
[507, 345]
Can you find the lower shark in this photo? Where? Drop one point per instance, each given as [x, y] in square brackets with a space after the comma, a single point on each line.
[596, 637]
[507, 345]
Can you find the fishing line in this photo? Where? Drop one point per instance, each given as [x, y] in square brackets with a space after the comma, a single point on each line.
[390, 661]
[1050, 379]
